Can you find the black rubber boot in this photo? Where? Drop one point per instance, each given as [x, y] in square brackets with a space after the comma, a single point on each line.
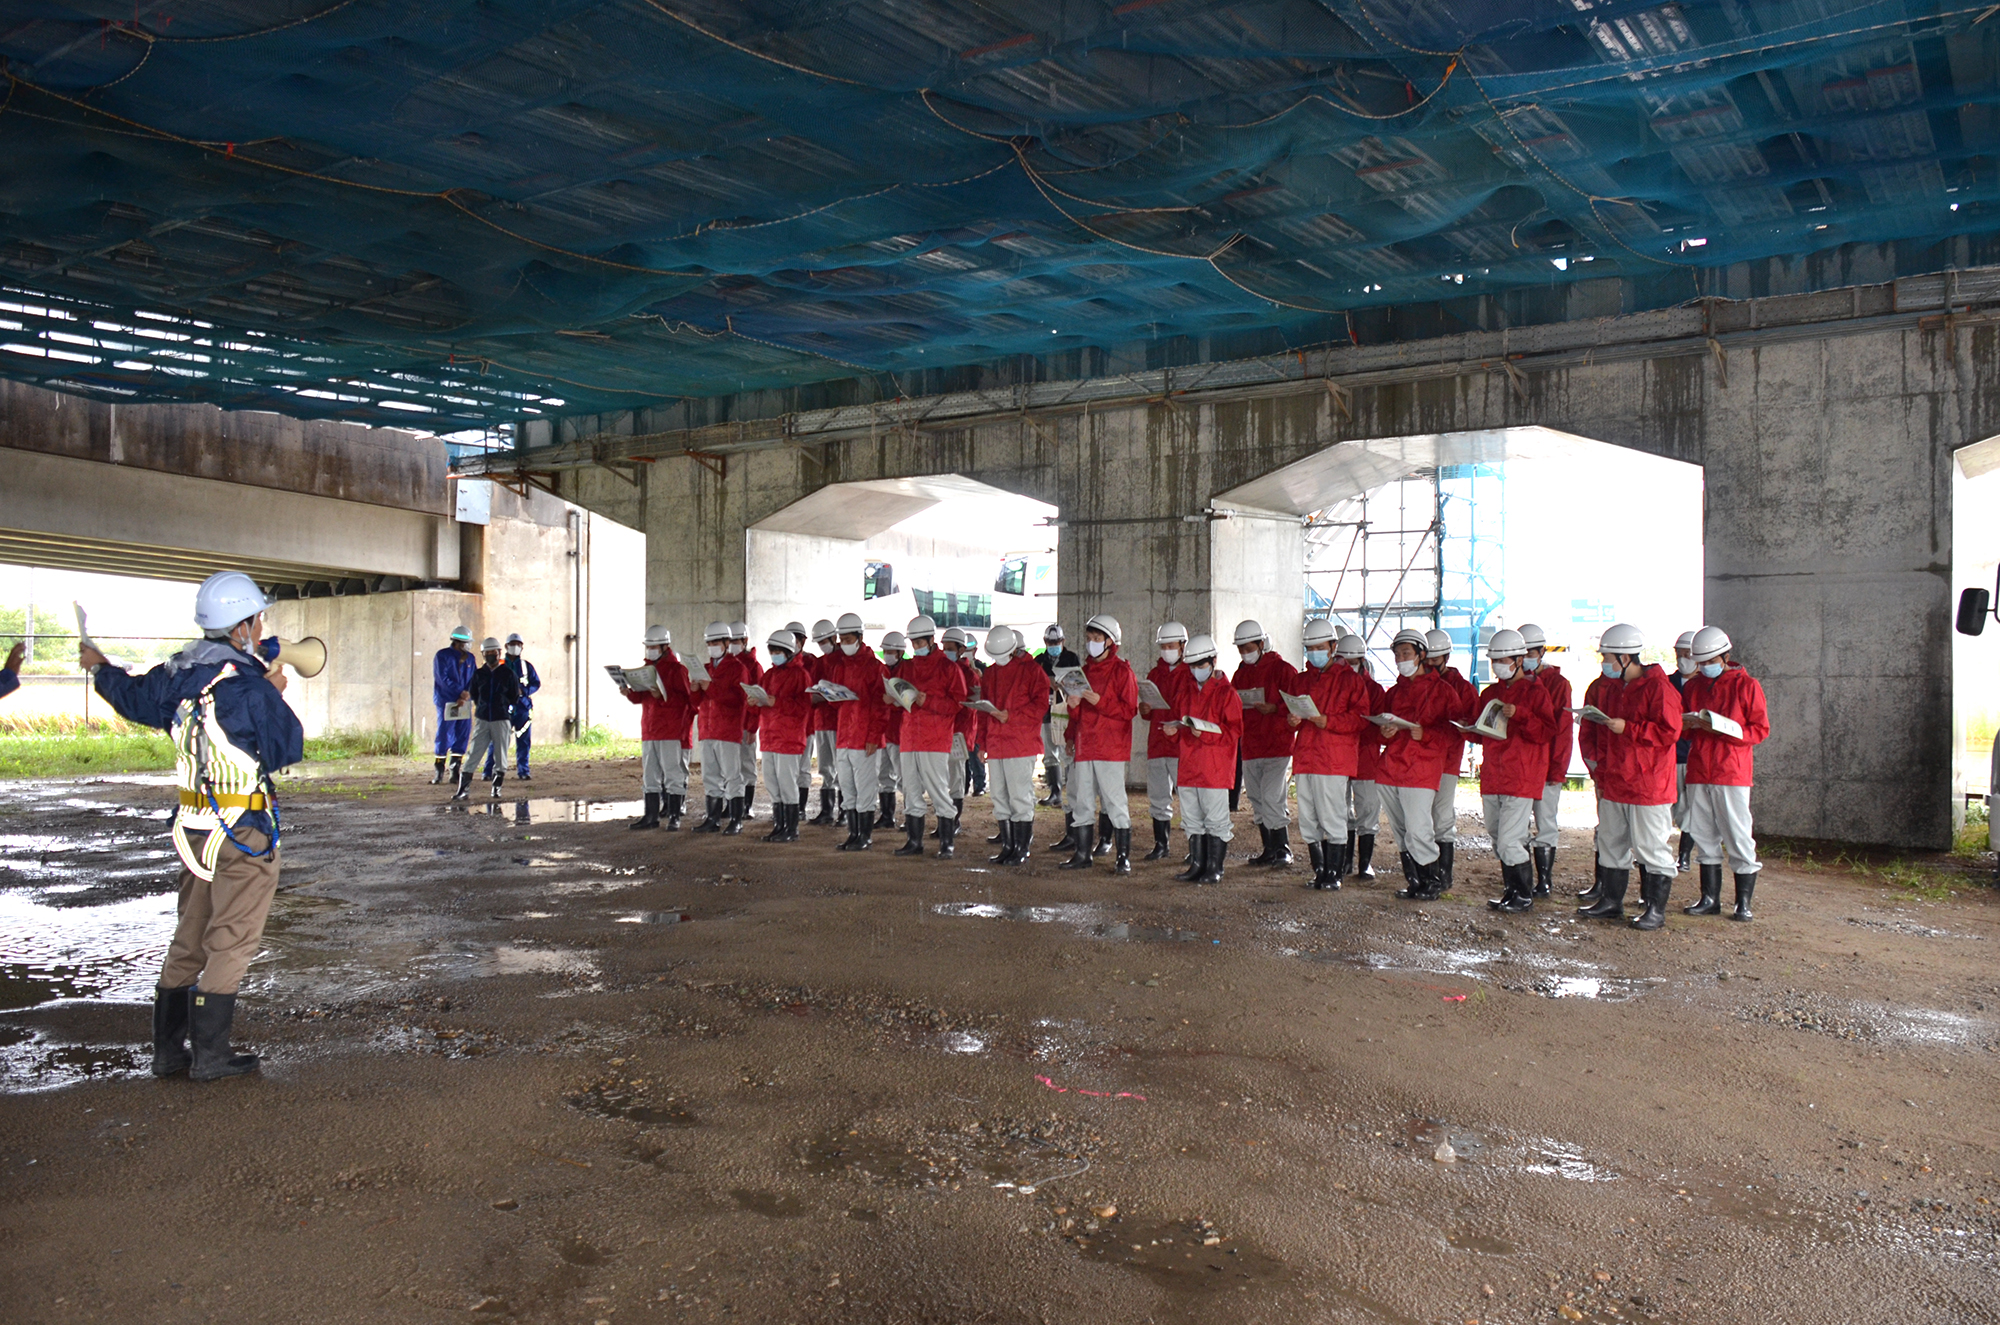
[498, 778]
[1122, 862]
[1746, 884]
[1005, 837]
[1653, 890]
[825, 816]
[457, 762]
[1413, 879]
[885, 814]
[1024, 842]
[651, 818]
[712, 819]
[1080, 856]
[735, 824]
[1364, 860]
[853, 822]
[1517, 884]
[170, 1026]
[464, 787]
[1161, 829]
[676, 801]
[1436, 880]
[913, 829]
[867, 822]
[1338, 856]
[1687, 850]
[1197, 858]
[1545, 870]
[781, 814]
[438, 776]
[1067, 842]
[1350, 852]
[1446, 850]
[1711, 893]
[209, 1016]
[1610, 903]
[947, 832]
[1281, 847]
[750, 798]
[1263, 856]
[1216, 858]
[1103, 844]
[1317, 854]
[999, 833]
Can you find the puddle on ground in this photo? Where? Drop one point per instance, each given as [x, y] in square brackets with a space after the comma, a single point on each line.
[551, 810]
[1084, 918]
[1424, 1135]
[508, 960]
[1560, 979]
[653, 918]
[1603, 988]
[30, 1062]
[633, 1104]
[110, 952]
[771, 1205]
[869, 1157]
[1471, 1239]
[1561, 1160]
[1143, 933]
[1181, 1256]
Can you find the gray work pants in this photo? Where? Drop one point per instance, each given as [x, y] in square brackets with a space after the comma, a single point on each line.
[1628, 832]
[1411, 820]
[722, 769]
[1507, 824]
[662, 767]
[889, 771]
[496, 735]
[858, 785]
[1322, 807]
[1162, 776]
[1680, 795]
[1097, 786]
[821, 747]
[781, 771]
[1051, 753]
[1205, 812]
[1548, 831]
[1364, 807]
[955, 767]
[749, 761]
[1444, 809]
[1011, 783]
[1264, 787]
[927, 776]
[1718, 819]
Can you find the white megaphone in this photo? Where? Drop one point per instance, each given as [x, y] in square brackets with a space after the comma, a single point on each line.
[307, 657]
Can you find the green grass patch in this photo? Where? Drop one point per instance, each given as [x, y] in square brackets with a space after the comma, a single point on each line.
[359, 745]
[85, 754]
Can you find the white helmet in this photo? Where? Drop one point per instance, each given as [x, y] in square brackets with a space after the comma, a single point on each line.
[739, 630]
[1710, 643]
[1319, 631]
[783, 639]
[1350, 646]
[1171, 633]
[953, 635]
[1001, 641]
[1201, 648]
[921, 627]
[716, 632]
[1506, 644]
[894, 640]
[1622, 638]
[849, 623]
[1054, 632]
[1106, 624]
[1685, 641]
[489, 645]
[230, 596]
[823, 629]
[515, 638]
[463, 633]
[796, 628]
[1437, 643]
[1409, 636]
[1532, 636]
[658, 635]
[1249, 632]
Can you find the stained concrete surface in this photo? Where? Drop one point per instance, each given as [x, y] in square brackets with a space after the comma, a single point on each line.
[525, 1064]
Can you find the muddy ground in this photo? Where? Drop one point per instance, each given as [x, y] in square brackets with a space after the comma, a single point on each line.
[522, 1067]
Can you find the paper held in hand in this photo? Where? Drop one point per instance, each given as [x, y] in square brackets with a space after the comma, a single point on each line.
[832, 692]
[1390, 722]
[1592, 713]
[641, 679]
[1072, 680]
[1715, 722]
[1150, 696]
[1300, 706]
[458, 711]
[1490, 722]
[1202, 725]
[982, 705]
[1251, 697]
[757, 695]
[697, 670]
[899, 691]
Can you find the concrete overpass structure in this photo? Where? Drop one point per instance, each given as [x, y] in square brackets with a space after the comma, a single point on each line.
[1824, 423]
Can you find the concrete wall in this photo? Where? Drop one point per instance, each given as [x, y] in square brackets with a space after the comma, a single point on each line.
[793, 577]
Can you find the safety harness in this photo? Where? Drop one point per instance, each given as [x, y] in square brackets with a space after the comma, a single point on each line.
[218, 784]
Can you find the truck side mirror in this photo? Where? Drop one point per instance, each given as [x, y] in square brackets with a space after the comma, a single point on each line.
[1973, 606]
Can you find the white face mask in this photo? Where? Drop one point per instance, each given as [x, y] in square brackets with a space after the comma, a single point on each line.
[1406, 667]
[1685, 666]
[513, 650]
[850, 649]
[654, 651]
[715, 651]
[921, 650]
[735, 647]
[1531, 664]
[1096, 648]
[780, 657]
[1250, 656]
[890, 657]
[1711, 670]
[1202, 671]
[1170, 656]
[1503, 671]
[1318, 657]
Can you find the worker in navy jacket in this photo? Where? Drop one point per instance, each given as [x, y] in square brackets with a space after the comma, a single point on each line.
[522, 717]
[10, 675]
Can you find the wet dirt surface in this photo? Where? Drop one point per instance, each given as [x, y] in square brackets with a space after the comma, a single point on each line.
[524, 1064]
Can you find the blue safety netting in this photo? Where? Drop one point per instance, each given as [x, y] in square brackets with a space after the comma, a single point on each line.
[457, 212]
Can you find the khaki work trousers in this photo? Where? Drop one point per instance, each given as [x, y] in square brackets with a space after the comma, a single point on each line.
[222, 921]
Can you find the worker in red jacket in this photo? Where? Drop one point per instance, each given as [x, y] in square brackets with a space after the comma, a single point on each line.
[1326, 751]
[957, 646]
[664, 714]
[1412, 762]
[1163, 747]
[1720, 769]
[1548, 828]
[1444, 810]
[1209, 729]
[782, 728]
[927, 729]
[1016, 685]
[1630, 754]
[826, 721]
[889, 765]
[1511, 773]
[1364, 812]
[1267, 739]
[746, 653]
[722, 703]
[858, 732]
[1101, 725]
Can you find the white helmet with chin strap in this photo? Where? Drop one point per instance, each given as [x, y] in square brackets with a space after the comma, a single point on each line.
[1437, 644]
[229, 597]
[1622, 638]
[1201, 648]
[1001, 641]
[658, 636]
[1710, 643]
[1319, 631]
[921, 627]
[849, 623]
[1249, 632]
[894, 641]
[1506, 644]
[1532, 636]
[1350, 646]
[1411, 637]
[1685, 641]
[717, 633]
[1106, 624]
[782, 641]
[823, 630]
[1171, 633]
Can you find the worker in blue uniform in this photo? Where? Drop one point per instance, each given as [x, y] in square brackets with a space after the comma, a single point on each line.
[451, 683]
[10, 675]
[521, 718]
[225, 707]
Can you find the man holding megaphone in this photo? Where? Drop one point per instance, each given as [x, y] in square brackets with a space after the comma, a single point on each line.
[224, 705]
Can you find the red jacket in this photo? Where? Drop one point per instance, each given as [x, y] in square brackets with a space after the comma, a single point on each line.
[1266, 735]
[1208, 759]
[753, 716]
[1173, 681]
[1518, 765]
[782, 727]
[1468, 709]
[1428, 700]
[892, 721]
[1715, 759]
[1103, 731]
[1564, 737]
[860, 722]
[826, 717]
[1019, 688]
[722, 703]
[927, 727]
[1370, 740]
[1636, 768]
[968, 719]
[1342, 699]
[666, 719]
